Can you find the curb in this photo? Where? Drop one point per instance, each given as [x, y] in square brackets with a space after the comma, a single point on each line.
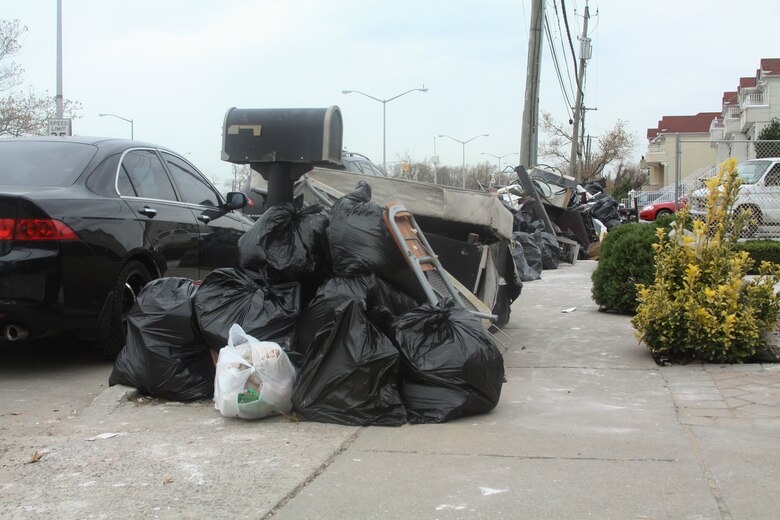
[109, 400]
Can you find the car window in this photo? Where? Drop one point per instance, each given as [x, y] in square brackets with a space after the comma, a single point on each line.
[191, 185]
[374, 170]
[354, 166]
[141, 174]
[773, 177]
[751, 171]
[43, 163]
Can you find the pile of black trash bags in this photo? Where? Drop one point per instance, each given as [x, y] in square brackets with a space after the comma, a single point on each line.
[603, 207]
[534, 248]
[329, 290]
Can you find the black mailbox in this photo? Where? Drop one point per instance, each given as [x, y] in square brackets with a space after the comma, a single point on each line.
[289, 135]
[282, 143]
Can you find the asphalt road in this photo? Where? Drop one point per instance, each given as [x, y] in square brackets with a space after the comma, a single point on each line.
[43, 382]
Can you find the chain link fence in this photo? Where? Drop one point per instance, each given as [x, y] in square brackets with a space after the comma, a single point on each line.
[679, 168]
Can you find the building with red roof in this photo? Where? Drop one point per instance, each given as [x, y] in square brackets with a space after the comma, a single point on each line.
[708, 138]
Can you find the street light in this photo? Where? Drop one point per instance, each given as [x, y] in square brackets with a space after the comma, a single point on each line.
[499, 157]
[384, 116]
[123, 119]
[463, 143]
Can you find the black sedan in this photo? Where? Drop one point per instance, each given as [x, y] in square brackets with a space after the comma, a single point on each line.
[85, 223]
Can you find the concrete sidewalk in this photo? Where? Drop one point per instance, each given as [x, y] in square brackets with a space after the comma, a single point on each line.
[588, 427]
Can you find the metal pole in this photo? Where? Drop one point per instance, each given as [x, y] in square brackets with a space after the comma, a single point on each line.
[463, 175]
[132, 130]
[58, 98]
[677, 168]
[530, 132]
[384, 136]
[384, 115]
[435, 165]
[463, 143]
[584, 40]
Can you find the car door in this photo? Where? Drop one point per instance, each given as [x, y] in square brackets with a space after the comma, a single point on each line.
[170, 227]
[219, 228]
[770, 196]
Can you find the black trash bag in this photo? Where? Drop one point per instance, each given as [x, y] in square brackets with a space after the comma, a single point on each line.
[522, 222]
[595, 187]
[531, 252]
[358, 239]
[548, 245]
[605, 209]
[449, 365]
[383, 301]
[289, 244]
[523, 269]
[165, 355]
[265, 312]
[612, 223]
[351, 375]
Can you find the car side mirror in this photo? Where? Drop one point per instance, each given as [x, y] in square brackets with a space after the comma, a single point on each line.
[236, 200]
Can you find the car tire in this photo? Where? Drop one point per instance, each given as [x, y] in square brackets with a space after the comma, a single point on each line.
[133, 277]
[662, 213]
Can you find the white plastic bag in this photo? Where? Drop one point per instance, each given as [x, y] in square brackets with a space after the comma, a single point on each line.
[254, 378]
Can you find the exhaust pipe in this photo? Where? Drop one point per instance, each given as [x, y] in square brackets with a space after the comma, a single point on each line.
[15, 332]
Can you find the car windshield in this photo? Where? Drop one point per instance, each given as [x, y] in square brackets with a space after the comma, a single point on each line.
[43, 163]
[751, 171]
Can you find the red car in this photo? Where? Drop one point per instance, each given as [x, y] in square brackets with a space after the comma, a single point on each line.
[654, 210]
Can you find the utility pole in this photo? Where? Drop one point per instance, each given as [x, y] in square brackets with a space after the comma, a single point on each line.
[58, 98]
[585, 51]
[587, 152]
[529, 140]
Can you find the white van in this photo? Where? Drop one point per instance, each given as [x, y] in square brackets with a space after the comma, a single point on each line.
[760, 192]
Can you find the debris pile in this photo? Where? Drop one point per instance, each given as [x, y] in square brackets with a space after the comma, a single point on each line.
[556, 219]
[323, 318]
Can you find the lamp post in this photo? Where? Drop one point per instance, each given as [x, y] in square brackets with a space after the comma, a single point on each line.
[435, 161]
[463, 143]
[123, 119]
[499, 157]
[384, 116]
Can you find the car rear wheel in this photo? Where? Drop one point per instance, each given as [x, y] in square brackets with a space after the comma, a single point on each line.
[133, 277]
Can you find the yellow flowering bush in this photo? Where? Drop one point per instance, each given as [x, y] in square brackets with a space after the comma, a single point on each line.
[700, 305]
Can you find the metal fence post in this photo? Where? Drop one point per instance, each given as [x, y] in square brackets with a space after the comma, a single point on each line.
[677, 171]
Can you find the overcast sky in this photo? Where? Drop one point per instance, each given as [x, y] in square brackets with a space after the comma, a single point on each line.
[176, 66]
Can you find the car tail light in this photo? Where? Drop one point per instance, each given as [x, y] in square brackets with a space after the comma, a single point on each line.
[35, 229]
[6, 228]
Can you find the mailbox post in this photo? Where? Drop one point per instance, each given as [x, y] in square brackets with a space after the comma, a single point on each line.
[282, 144]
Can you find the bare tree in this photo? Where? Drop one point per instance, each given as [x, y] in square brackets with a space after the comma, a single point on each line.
[628, 176]
[23, 112]
[27, 113]
[614, 145]
[10, 72]
[241, 173]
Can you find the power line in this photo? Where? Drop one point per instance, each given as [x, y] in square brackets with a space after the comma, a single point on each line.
[563, 48]
[556, 65]
[568, 34]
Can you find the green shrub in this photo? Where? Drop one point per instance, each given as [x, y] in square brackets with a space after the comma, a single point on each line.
[700, 306]
[761, 251]
[625, 259]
